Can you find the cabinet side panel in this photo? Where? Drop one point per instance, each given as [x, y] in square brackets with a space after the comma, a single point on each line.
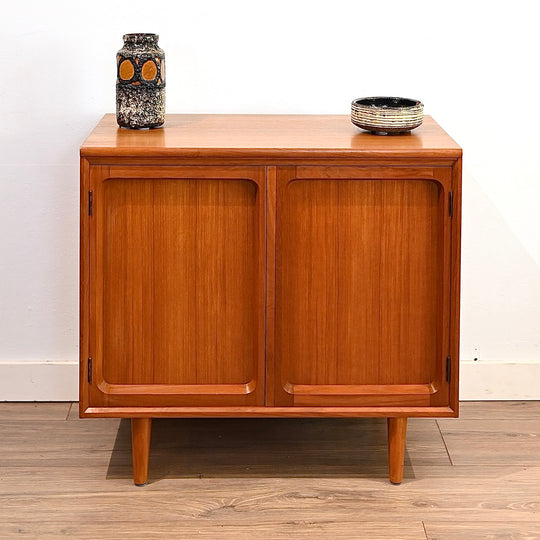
[128, 281]
[84, 285]
[455, 288]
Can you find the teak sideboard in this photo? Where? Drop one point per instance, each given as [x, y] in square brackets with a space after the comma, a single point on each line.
[269, 266]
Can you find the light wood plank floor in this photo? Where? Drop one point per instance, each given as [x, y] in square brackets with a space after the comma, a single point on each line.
[477, 477]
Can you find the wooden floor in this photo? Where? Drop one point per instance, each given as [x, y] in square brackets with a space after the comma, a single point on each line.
[466, 479]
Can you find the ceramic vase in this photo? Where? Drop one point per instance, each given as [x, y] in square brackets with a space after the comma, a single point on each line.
[140, 82]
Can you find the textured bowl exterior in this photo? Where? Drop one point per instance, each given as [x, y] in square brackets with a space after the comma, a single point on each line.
[391, 119]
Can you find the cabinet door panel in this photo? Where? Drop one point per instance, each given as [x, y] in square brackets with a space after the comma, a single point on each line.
[361, 287]
[204, 311]
[128, 281]
[179, 273]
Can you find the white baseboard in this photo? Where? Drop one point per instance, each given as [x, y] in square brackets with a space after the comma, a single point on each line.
[58, 381]
[490, 381]
[39, 381]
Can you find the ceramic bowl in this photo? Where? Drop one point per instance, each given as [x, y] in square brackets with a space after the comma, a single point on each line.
[387, 115]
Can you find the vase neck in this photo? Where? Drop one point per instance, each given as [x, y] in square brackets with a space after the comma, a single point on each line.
[140, 39]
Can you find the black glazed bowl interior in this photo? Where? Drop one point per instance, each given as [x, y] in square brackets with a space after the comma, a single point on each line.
[387, 102]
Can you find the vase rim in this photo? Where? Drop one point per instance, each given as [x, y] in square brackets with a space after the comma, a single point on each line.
[140, 37]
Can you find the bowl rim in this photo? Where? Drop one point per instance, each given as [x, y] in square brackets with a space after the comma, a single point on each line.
[415, 102]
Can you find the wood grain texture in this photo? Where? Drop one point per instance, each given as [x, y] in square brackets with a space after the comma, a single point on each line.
[264, 136]
[493, 441]
[92, 439]
[500, 410]
[361, 286]
[182, 254]
[347, 261]
[382, 406]
[455, 280]
[397, 432]
[411, 282]
[336, 498]
[215, 447]
[482, 531]
[141, 434]
[34, 411]
[84, 282]
[301, 529]
[128, 284]
[147, 367]
[318, 478]
[270, 319]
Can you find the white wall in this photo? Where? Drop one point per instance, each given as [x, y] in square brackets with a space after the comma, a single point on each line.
[473, 64]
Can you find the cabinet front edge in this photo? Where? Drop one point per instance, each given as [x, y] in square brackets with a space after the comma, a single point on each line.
[268, 412]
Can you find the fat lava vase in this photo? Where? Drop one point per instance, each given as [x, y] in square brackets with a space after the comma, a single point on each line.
[140, 82]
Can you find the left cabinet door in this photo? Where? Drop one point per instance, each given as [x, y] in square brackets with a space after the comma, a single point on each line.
[176, 287]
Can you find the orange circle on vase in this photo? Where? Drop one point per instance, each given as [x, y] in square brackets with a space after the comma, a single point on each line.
[149, 70]
[126, 70]
[163, 70]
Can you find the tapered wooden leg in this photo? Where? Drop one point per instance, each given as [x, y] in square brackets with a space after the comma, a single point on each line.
[141, 429]
[397, 431]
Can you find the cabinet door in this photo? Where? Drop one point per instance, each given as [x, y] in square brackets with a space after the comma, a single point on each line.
[362, 290]
[177, 285]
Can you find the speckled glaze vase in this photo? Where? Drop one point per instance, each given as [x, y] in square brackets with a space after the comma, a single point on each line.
[140, 82]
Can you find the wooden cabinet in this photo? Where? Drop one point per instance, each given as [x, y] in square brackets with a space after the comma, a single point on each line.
[250, 265]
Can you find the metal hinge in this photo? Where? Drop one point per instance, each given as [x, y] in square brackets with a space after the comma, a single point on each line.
[90, 202]
[451, 204]
[448, 368]
[89, 370]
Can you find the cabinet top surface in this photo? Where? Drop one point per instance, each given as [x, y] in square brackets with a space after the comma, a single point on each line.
[254, 135]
